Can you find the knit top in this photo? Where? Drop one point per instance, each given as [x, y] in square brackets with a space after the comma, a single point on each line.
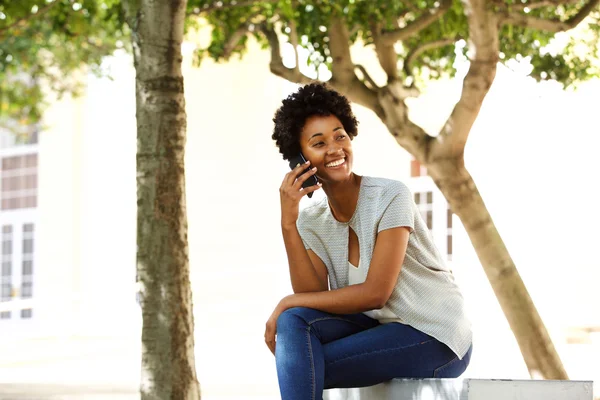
[425, 295]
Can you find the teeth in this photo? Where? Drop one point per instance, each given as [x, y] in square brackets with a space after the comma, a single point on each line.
[336, 163]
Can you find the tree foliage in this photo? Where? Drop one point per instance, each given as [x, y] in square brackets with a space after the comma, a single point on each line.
[44, 44]
[428, 51]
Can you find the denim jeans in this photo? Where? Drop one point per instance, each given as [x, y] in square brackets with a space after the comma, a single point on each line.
[316, 350]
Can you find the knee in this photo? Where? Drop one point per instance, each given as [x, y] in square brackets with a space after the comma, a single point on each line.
[295, 317]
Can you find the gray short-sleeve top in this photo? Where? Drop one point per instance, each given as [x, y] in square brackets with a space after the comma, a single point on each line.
[426, 295]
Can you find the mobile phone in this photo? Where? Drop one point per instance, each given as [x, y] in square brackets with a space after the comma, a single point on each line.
[299, 159]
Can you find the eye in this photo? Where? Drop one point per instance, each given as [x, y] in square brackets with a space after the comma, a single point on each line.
[318, 144]
[341, 137]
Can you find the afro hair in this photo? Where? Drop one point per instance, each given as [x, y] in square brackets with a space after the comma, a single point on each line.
[309, 100]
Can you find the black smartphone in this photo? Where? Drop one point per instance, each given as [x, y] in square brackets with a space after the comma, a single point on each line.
[299, 159]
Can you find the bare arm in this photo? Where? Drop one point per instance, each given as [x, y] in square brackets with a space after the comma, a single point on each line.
[388, 256]
[307, 271]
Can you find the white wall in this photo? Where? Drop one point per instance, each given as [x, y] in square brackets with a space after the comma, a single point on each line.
[57, 249]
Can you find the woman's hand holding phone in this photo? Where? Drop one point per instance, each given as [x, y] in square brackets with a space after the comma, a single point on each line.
[291, 192]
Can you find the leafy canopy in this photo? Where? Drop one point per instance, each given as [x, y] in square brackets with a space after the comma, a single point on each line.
[43, 44]
[431, 50]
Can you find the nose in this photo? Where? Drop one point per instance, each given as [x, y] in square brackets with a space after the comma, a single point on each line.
[334, 149]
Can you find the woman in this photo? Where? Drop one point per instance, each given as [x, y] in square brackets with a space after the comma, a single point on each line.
[391, 309]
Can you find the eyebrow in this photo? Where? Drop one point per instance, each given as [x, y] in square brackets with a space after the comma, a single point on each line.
[320, 134]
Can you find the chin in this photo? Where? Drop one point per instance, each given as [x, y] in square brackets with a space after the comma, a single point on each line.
[336, 176]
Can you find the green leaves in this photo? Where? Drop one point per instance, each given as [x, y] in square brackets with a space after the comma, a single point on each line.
[311, 19]
[44, 43]
[49, 40]
[567, 57]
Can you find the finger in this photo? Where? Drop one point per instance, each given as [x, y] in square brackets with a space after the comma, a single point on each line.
[299, 169]
[269, 335]
[311, 189]
[302, 178]
[291, 176]
[270, 341]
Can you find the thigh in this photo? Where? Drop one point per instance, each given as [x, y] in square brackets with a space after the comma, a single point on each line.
[382, 353]
[325, 326]
[455, 367]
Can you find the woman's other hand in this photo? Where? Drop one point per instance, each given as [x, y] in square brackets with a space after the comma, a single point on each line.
[291, 192]
[270, 332]
[271, 326]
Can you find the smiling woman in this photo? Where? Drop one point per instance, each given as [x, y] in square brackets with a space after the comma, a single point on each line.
[372, 298]
[315, 137]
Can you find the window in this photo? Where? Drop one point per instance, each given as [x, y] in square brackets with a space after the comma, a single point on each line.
[6, 277]
[18, 203]
[434, 209]
[27, 263]
[18, 261]
[424, 201]
[19, 181]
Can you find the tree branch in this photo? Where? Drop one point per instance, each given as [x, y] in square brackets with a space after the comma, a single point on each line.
[294, 42]
[532, 5]
[396, 118]
[366, 77]
[484, 37]
[386, 54]
[357, 92]
[342, 67]
[219, 5]
[276, 65]
[352, 87]
[354, 30]
[550, 25]
[239, 33]
[417, 25]
[234, 39]
[416, 52]
[343, 78]
[28, 18]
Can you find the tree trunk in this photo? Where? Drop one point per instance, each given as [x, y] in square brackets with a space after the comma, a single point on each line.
[458, 187]
[443, 156]
[447, 170]
[168, 366]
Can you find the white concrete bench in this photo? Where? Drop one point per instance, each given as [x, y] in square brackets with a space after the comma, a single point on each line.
[467, 389]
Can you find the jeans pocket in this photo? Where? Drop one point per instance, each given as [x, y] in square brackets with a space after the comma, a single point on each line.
[452, 369]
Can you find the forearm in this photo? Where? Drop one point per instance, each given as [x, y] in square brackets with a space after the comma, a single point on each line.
[303, 276]
[348, 300]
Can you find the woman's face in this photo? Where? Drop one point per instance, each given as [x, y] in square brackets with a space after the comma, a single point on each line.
[327, 146]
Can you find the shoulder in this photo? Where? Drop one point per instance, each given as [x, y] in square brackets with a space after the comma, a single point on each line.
[390, 203]
[385, 189]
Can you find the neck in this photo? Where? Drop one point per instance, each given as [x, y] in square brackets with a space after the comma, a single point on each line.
[343, 197]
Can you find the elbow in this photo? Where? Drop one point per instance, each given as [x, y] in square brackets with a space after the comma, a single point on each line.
[379, 304]
[378, 300]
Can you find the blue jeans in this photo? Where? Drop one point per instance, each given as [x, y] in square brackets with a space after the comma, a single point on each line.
[316, 350]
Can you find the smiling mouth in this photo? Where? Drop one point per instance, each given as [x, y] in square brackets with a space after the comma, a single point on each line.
[336, 163]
